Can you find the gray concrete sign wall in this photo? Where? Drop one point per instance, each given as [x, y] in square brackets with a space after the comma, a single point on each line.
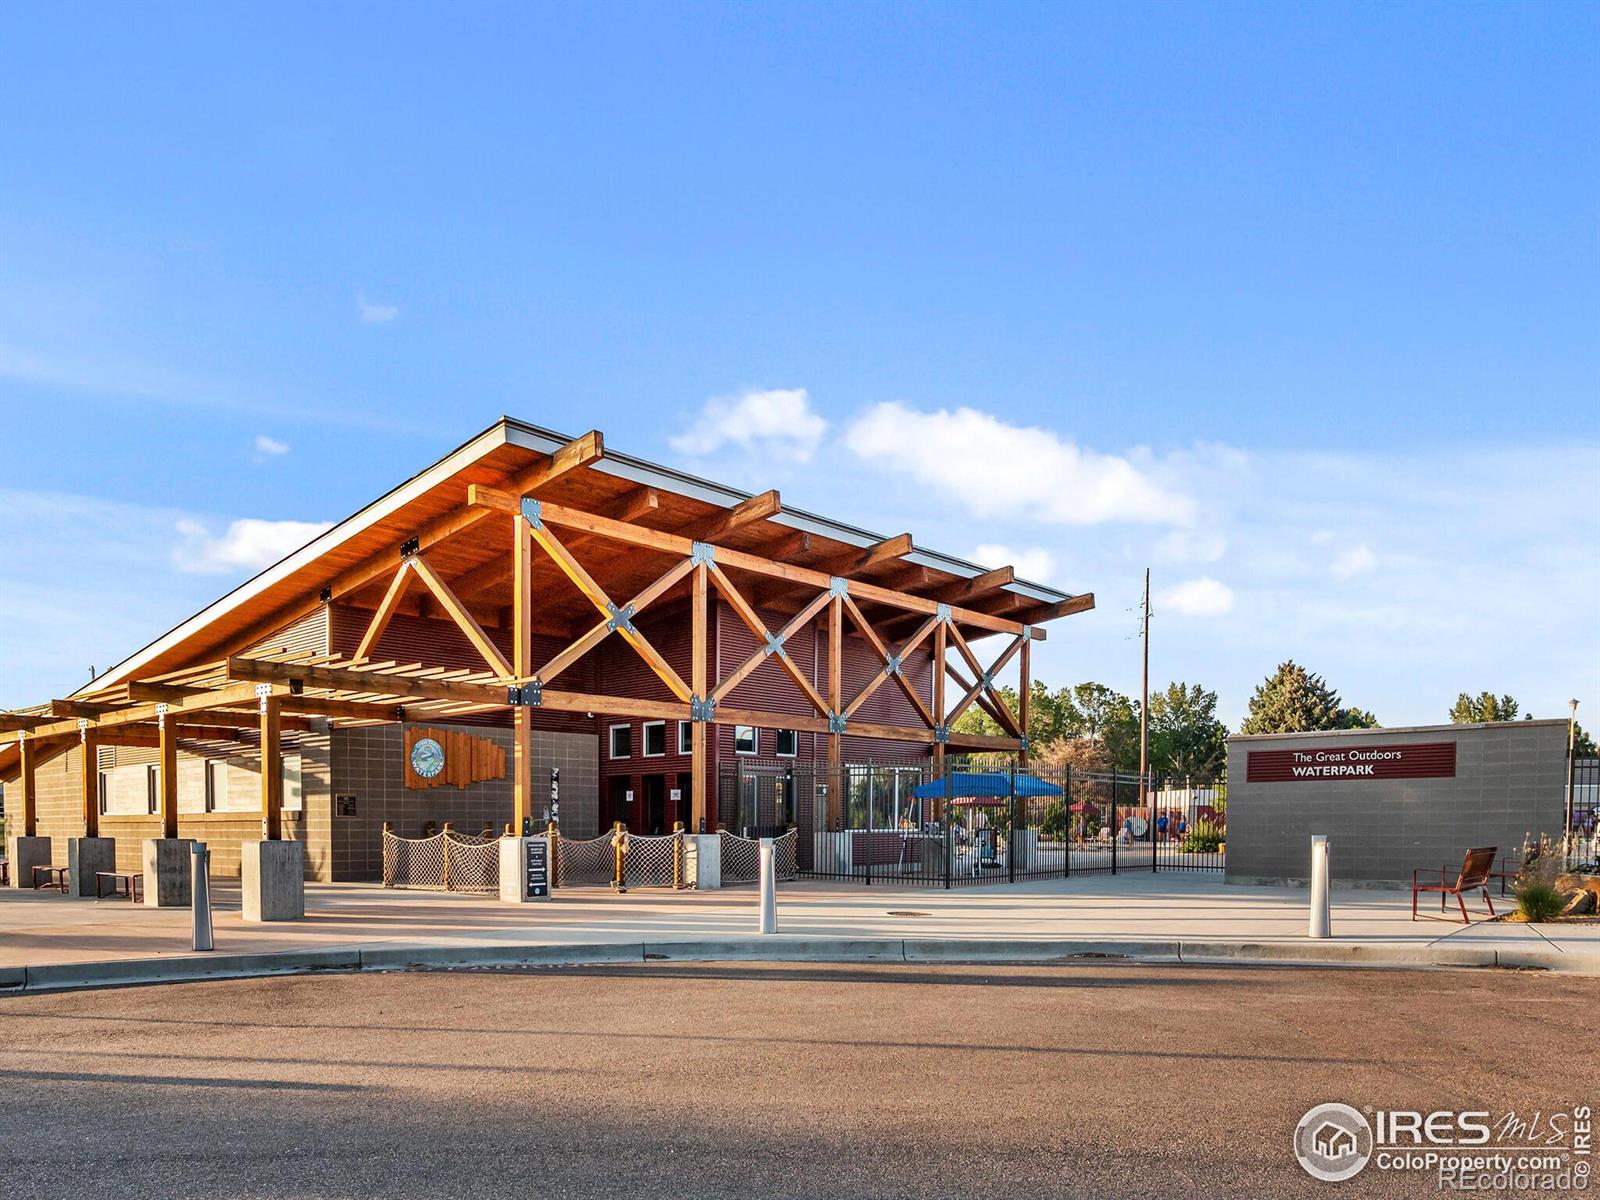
[1382, 799]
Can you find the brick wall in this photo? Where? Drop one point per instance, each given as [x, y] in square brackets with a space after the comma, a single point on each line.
[1510, 780]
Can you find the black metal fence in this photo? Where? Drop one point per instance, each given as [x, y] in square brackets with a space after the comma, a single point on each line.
[901, 823]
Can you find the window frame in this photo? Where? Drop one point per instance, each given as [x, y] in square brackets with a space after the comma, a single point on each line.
[644, 739]
[611, 742]
[152, 789]
[755, 741]
[794, 734]
[685, 743]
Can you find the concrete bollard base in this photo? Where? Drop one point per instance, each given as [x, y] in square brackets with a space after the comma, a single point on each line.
[24, 854]
[168, 872]
[86, 857]
[705, 861]
[272, 880]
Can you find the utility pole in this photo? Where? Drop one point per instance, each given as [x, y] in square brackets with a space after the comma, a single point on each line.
[1144, 709]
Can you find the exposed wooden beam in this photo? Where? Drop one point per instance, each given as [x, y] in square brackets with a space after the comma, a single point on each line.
[462, 618]
[79, 708]
[386, 609]
[670, 543]
[978, 585]
[12, 723]
[1065, 608]
[221, 698]
[141, 691]
[853, 562]
[746, 512]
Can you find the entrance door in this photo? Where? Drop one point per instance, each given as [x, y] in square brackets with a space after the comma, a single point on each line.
[655, 804]
[621, 785]
[685, 804]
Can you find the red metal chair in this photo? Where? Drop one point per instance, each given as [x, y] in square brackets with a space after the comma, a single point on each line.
[1475, 872]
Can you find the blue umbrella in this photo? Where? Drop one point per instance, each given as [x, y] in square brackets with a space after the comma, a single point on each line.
[974, 784]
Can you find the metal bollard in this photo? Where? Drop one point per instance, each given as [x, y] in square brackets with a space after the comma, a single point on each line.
[200, 893]
[769, 887]
[1320, 924]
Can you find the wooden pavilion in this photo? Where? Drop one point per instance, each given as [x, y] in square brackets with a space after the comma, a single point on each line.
[531, 584]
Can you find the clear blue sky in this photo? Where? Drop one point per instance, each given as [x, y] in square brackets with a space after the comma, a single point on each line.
[1311, 291]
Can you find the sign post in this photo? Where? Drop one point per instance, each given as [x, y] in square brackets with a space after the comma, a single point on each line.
[524, 869]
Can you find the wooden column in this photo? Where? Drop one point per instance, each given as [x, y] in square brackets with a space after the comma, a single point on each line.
[522, 668]
[271, 768]
[29, 821]
[91, 783]
[702, 814]
[168, 773]
[835, 705]
[1024, 696]
[941, 647]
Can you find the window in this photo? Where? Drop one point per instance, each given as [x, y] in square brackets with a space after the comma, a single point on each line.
[105, 792]
[685, 737]
[152, 788]
[621, 741]
[655, 739]
[746, 739]
[216, 784]
[785, 743]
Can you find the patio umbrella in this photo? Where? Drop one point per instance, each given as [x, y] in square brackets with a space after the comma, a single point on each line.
[980, 785]
[1084, 806]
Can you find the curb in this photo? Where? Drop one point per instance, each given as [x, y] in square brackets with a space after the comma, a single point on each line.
[182, 969]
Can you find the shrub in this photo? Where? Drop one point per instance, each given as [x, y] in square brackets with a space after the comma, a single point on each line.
[1203, 837]
[1539, 901]
[1054, 822]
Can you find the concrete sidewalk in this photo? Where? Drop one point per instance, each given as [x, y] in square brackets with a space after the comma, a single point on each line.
[50, 940]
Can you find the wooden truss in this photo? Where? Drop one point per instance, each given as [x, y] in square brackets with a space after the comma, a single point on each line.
[267, 694]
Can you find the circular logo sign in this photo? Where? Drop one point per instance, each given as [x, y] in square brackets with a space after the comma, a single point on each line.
[1333, 1142]
[427, 758]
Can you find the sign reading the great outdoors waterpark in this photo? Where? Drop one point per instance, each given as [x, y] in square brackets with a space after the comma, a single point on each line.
[1427, 760]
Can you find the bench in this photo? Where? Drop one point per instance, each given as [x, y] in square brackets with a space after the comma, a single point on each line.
[1476, 870]
[123, 883]
[55, 878]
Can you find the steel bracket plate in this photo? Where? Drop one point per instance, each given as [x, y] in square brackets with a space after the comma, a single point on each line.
[702, 710]
[941, 733]
[837, 723]
[838, 586]
[621, 618]
[942, 613]
[532, 512]
[702, 554]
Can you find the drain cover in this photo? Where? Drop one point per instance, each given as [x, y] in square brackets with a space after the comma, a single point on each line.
[893, 912]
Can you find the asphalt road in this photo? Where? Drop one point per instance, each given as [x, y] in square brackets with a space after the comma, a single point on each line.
[759, 1081]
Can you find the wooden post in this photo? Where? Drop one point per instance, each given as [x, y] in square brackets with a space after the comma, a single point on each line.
[168, 771]
[522, 668]
[702, 813]
[940, 649]
[30, 796]
[91, 782]
[835, 684]
[271, 768]
[1025, 696]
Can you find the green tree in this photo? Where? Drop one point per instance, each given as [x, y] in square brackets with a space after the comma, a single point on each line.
[1185, 736]
[1293, 699]
[1485, 706]
[1582, 744]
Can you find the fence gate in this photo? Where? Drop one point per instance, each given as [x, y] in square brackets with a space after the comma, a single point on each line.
[901, 823]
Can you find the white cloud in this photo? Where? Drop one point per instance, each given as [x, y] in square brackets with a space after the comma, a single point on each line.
[1203, 597]
[269, 447]
[375, 314]
[1001, 470]
[1357, 560]
[1191, 545]
[777, 421]
[1033, 563]
[248, 544]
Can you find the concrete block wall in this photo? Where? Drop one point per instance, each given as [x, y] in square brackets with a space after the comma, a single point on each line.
[1510, 781]
[368, 766]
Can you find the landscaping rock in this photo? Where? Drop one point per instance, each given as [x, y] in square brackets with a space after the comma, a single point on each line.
[1579, 883]
[1579, 904]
